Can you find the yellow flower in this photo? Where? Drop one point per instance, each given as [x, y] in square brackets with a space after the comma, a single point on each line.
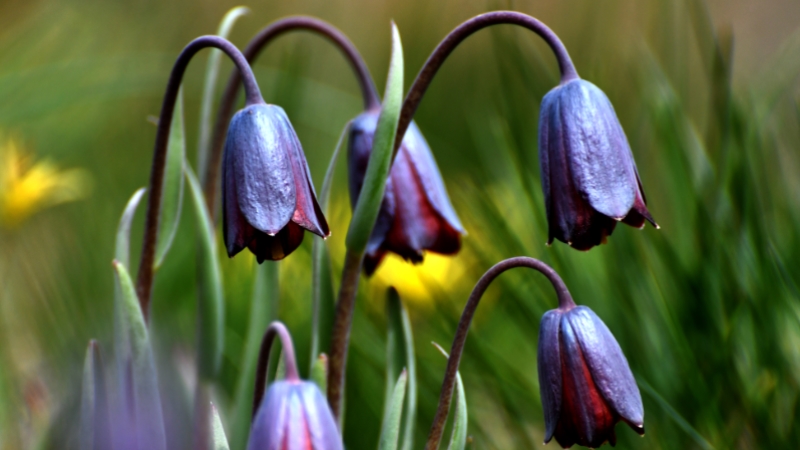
[28, 186]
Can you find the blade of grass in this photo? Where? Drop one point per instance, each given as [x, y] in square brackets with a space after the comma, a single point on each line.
[458, 438]
[390, 431]
[136, 365]
[369, 199]
[210, 304]
[218, 439]
[172, 195]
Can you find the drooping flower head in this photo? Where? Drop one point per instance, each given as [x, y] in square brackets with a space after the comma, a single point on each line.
[589, 178]
[585, 382]
[268, 196]
[416, 214]
[294, 416]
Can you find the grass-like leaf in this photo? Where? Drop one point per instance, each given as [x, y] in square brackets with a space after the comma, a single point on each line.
[458, 438]
[400, 353]
[218, 439]
[172, 195]
[138, 380]
[210, 308]
[366, 210]
[390, 431]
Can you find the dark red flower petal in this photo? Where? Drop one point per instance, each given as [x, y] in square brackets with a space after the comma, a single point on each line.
[275, 248]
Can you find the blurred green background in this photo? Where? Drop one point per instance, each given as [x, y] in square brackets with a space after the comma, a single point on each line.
[707, 309]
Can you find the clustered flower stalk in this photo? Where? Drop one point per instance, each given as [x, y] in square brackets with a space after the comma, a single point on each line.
[590, 183]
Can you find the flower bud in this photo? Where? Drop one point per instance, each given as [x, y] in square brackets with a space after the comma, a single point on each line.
[416, 213]
[294, 415]
[268, 196]
[589, 177]
[584, 379]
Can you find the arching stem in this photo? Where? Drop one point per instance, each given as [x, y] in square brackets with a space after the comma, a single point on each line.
[251, 52]
[564, 302]
[461, 32]
[275, 329]
[144, 281]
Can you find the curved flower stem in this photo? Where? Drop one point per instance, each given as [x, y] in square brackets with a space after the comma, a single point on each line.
[251, 52]
[564, 302]
[461, 32]
[279, 329]
[144, 281]
[340, 336]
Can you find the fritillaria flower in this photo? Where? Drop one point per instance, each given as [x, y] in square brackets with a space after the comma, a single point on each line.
[589, 178]
[416, 214]
[585, 382]
[294, 416]
[268, 196]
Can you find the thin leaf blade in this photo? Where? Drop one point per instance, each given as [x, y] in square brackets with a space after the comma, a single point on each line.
[218, 439]
[172, 194]
[136, 366]
[458, 438]
[210, 309]
[366, 210]
[390, 431]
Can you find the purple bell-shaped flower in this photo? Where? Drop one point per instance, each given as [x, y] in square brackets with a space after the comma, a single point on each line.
[585, 382]
[589, 178]
[268, 197]
[416, 214]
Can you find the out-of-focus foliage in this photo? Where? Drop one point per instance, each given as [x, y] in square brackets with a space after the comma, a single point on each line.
[707, 309]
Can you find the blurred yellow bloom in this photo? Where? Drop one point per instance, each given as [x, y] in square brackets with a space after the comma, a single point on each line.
[28, 186]
[414, 281]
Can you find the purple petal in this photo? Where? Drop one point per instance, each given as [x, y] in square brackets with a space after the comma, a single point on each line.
[599, 155]
[421, 157]
[608, 365]
[549, 365]
[318, 416]
[307, 212]
[259, 143]
[269, 427]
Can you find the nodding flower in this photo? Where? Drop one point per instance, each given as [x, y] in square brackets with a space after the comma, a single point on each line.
[589, 178]
[268, 196]
[416, 214]
[293, 415]
[585, 382]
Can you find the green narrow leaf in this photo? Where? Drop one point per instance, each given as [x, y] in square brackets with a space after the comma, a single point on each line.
[172, 195]
[400, 353]
[390, 430]
[94, 431]
[369, 200]
[136, 366]
[319, 372]
[322, 289]
[210, 309]
[458, 438]
[212, 73]
[218, 439]
[123, 241]
[262, 311]
[411, 403]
